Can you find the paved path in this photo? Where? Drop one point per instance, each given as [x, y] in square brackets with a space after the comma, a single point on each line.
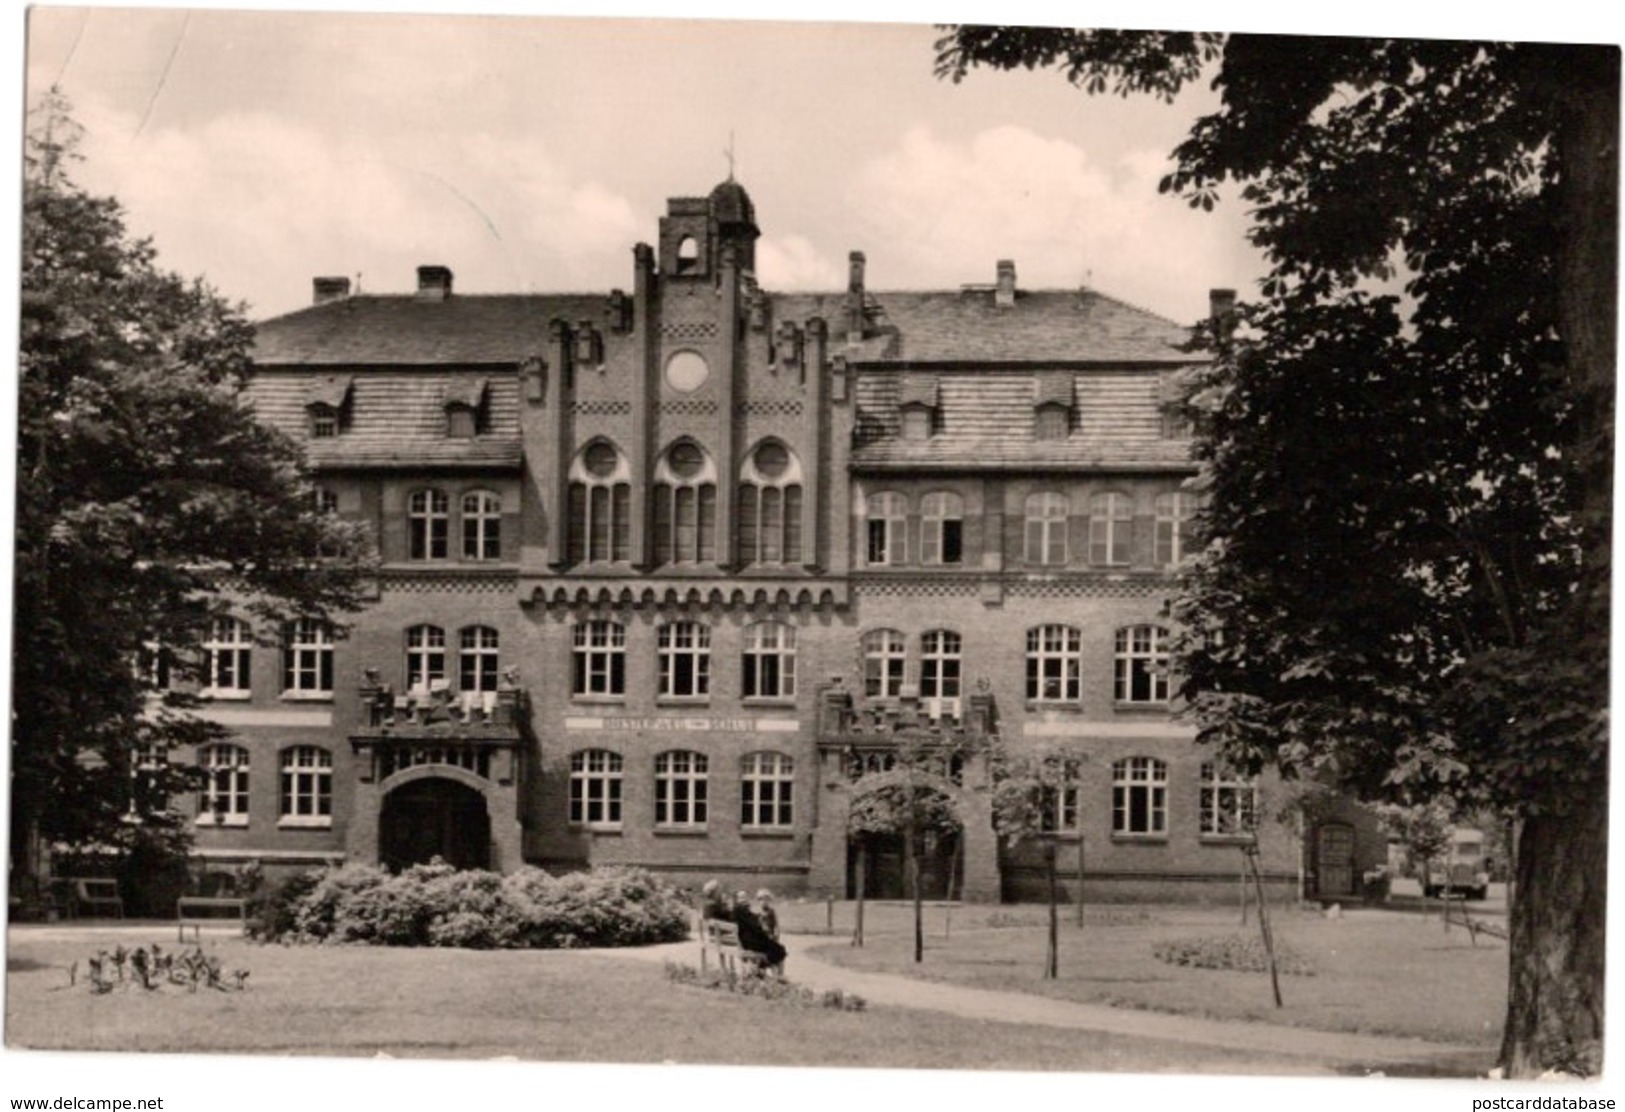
[1374, 1052]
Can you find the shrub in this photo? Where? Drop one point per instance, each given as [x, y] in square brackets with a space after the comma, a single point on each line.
[1231, 952]
[272, 909]
[437, 905]
[766, 988]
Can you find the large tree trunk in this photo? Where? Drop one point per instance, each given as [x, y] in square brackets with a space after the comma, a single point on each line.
[1555, 987]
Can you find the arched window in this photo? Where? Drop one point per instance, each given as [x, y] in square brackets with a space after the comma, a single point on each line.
[1139, 796]
[688, 254]
[1053, 669]
[227, 656]
[769, 661]
[477, 659]
[224, 798]
[942, 528]
[766, 789]
[769, 511]
[884, 653]
[1142, 664]
[595, 788]
[1176, 513]
[425, 657]
[600, 525]
[307, 786]
[887, 529]
[939, 664]
[684, 650]
[427, 522]
[307, 666]
[1111, 528]
[1045, 512]
[482, 525]
[685, 507]
[600, 658]
[1229, 802]
[680, 789]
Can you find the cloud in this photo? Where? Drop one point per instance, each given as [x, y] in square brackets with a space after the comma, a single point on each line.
[791, 262]
[948, 210]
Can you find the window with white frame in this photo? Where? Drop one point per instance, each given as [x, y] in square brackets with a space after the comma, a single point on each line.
[1111, 528]
[1175, 516]
[766, 787]
[600, 658]
[1229, 802]
[886, 529]
[324, 500]
[684, 650]
[680, 789]
[884, 655]
[224, 798]
[427, 524]
[477, 659]
[227, 656]
[307, 666]
[1139, 796]
[1142, 664]
[425, 657]
[149, 765]
[942, 528]
[307, 786]
[1045, 514]
[482, 525]
[1053, 667]
[769, 661]
[600, 511]
[940, 664]
[768, 515]
[595, 788]
[1060, 809]
[685, 506]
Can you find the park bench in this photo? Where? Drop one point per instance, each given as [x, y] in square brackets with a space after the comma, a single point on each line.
[194, 911]
[1475, 927]
[722, 939]
[92, 893]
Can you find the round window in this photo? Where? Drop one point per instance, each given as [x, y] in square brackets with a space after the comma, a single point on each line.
[686, 371]
[771, 460]
[686, 460]
[601, 460]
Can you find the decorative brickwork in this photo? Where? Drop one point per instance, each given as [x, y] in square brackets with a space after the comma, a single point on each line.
[602, 408]
[688, 330]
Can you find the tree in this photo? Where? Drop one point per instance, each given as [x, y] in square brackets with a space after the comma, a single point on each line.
[1423, 829]
[148, 500]
[1030, 800]
[1407, 441]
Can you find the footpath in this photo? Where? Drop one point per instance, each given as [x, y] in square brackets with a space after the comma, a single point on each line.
[1355, 1052]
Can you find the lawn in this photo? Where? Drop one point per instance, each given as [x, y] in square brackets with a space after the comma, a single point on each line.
[553, 1006]
[1375, 971]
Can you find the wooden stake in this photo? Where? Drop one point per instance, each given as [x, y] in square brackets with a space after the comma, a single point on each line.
[1264, 920]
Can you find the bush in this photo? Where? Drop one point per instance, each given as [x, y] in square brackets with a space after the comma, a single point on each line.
[1231, 952]
[767, 988]
[272, 909]
[437, 905]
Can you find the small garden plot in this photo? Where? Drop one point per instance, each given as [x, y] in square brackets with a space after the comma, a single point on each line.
[1231, 951]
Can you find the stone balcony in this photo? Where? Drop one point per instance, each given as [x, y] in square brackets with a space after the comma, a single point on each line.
[480, 732]
[859, 737]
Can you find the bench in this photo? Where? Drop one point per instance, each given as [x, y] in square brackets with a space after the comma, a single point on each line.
[1475, 927]
[722, 939]
[194, 911]
[93, 892]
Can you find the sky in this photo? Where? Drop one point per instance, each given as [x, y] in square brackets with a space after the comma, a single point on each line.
[260, 149]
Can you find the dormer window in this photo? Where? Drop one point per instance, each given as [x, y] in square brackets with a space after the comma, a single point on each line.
[1053, 403]
[327, 405]
[465, 408]
[918, 407]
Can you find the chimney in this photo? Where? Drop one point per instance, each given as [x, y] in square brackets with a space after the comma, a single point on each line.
[329, 289]
[1221, 305]
[854, 297]
[434, 283]
[1004, 294]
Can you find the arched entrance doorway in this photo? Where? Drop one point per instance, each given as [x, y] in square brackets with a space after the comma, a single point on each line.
[877, 840]
[1334, 859]
[434, 817]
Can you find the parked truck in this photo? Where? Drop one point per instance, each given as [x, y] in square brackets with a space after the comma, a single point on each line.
[1462, 871]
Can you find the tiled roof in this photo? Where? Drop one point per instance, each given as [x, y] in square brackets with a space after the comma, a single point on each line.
[405, 330]
[963, 326]
[987, 418]
[396, 419]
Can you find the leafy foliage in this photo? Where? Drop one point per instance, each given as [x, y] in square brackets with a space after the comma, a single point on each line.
[147, 495]
[1029, 790]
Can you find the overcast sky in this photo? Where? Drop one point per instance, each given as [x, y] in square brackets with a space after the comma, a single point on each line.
[529, 154]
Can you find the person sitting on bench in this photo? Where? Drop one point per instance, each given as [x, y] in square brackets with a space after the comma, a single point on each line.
[754, 937]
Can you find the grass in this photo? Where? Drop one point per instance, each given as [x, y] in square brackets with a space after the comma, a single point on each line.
[553, 1006]
[1375, 972]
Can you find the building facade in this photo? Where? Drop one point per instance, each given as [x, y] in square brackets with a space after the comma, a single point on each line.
[669, 577]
